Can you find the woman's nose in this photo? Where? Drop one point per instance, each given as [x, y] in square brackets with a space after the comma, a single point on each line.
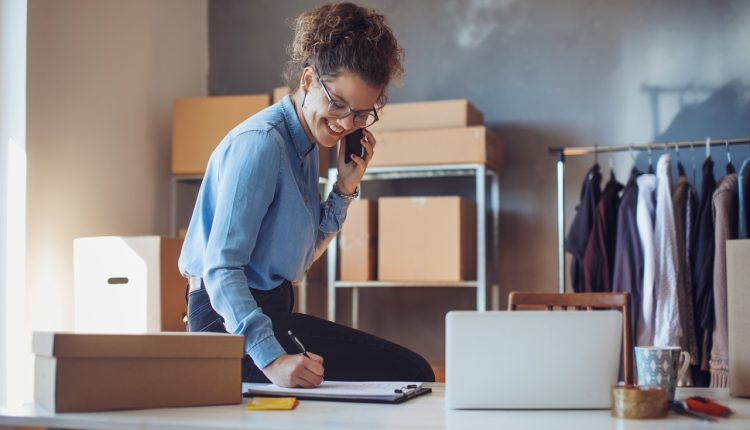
[347, 122]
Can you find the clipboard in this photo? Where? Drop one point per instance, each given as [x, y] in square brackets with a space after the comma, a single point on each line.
[345, 391]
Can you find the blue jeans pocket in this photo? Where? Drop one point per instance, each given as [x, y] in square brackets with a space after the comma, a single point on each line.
[201, 316]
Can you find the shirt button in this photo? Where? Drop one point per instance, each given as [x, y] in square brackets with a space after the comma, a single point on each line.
[305, 200]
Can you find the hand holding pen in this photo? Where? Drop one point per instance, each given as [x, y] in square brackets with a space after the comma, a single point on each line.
[303, 370]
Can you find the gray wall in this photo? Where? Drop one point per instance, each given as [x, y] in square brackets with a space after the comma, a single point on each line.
[545, 73]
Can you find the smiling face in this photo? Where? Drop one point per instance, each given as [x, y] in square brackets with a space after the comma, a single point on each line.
[347, 88]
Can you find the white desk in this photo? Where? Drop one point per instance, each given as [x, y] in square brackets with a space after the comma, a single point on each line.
[426, 412]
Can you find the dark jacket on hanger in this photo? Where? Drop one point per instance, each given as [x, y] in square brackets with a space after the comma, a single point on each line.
[703, 265]
[599, 257]
[580, 229]
[744, 200]
[628, 266]
[684, 204]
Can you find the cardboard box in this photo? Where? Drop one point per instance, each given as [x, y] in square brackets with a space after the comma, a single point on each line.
[738, 301]
[128, 284]
[199, 124]
[279, 93]
[438, 146]
[358, 242]
[433, 114]
[97, 372]
[426, 239]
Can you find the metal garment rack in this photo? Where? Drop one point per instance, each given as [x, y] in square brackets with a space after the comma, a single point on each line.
[562, 152]
[480, 172]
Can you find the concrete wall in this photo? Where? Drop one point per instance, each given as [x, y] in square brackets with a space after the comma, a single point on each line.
[102, 76]
[545, 73]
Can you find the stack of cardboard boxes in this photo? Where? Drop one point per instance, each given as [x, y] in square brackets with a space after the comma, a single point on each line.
[419, 239]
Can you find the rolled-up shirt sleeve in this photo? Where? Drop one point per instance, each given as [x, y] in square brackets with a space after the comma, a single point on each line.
[247, 179]
[332, 217]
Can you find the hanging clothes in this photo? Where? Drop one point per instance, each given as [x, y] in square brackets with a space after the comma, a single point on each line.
[725, 216]
[703, 269]
[628, 268]
[598, 259]
[644, 215]
[667, 327]
[744, 200]
[684, 202]
[580, 228]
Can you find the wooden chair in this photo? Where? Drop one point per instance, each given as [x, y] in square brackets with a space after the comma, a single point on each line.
[585, 301]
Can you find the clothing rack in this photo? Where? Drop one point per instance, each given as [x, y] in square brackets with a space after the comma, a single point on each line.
[562, 152]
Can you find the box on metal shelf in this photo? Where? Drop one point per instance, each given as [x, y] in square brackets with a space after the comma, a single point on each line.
[75, 372]
[467, 145]
[199, 124]
[128, 284]
[738, 301]
[358, 242]
[431, 114]
[426, 239]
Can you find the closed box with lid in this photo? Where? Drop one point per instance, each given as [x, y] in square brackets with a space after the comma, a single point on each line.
[75, 372]
[128, 284]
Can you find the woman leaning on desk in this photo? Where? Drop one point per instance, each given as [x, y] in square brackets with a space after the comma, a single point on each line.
[258, 222]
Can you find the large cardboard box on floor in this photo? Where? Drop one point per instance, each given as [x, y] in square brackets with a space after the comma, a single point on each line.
[738, 301]
[357, 242]
[432, 114]
[128, 284]
[76, 372]
[199, 124]
[426, 239]
[467, 145]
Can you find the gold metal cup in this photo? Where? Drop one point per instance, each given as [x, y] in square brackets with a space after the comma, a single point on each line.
[634, 402]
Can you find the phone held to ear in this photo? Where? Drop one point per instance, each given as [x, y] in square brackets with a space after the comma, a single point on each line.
[354, 146]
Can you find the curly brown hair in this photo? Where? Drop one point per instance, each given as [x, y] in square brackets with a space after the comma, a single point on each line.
[344, 36]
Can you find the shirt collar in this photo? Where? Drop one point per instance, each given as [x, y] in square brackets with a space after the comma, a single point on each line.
[302, 144]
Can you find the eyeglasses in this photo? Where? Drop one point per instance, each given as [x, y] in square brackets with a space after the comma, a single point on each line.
[340, 110]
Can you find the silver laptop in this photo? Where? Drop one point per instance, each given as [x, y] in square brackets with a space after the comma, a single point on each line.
[532, 359]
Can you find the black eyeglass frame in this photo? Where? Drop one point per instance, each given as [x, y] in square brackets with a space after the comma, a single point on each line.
[350, 111]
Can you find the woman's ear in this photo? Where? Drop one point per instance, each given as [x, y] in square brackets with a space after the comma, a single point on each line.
[307, 78]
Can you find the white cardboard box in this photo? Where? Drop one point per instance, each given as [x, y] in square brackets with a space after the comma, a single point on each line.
[128, 284]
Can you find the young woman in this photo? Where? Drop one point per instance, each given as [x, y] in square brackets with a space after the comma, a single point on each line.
[258, 222]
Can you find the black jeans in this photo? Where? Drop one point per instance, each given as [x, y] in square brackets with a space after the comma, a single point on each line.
[349, 354]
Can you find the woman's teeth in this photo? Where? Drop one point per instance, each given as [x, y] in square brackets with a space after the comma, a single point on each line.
[334, 129]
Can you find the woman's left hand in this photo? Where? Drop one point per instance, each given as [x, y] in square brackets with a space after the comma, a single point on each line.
[351, 173]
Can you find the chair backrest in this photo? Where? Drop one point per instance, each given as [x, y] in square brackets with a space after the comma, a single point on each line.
[585, 301]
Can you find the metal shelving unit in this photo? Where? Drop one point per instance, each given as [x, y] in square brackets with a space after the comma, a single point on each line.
[173, 228]
[481, 174]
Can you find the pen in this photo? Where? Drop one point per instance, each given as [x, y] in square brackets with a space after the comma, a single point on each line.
[298, 343]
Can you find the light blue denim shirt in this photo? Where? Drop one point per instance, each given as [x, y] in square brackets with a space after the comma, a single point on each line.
[259, 220]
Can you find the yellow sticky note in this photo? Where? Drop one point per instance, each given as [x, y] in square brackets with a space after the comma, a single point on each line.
[272, 403]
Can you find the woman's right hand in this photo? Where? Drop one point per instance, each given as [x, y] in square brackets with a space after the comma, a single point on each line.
[296, 371]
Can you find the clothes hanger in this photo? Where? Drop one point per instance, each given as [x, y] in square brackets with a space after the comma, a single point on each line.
[692, 157]
[650, 161]
[611, 168]
[632, 158]
[708, 147]
[730, 166]
[680, 167]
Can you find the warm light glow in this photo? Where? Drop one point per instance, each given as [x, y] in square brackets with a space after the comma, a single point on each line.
[19, 369]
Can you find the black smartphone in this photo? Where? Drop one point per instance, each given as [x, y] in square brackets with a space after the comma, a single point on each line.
[353, 145]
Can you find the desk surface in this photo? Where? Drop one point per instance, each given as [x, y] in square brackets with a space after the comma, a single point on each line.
[426, 412]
